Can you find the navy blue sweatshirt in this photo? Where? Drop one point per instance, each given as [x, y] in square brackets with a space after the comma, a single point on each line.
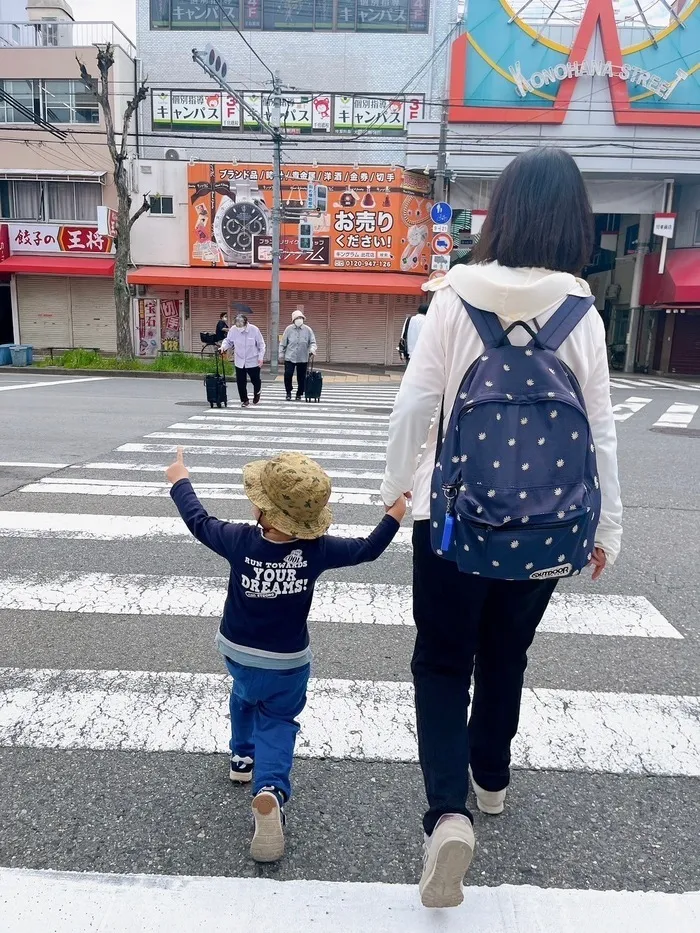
[271, 585]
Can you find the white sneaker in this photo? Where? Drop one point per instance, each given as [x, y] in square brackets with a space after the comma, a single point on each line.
[268, 840]
[488, 801]
[448, 854]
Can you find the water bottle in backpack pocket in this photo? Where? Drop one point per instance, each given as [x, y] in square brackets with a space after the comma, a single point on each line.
[515, 490]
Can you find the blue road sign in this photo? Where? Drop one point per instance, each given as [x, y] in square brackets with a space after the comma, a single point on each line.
[441, 213]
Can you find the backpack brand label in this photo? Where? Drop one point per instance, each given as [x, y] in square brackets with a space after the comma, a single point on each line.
[563, 570]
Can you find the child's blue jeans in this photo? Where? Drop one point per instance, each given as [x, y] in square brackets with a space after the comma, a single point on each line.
[264, 705]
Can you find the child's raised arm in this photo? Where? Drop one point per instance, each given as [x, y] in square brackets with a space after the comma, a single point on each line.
[348, 552]
[218, 536]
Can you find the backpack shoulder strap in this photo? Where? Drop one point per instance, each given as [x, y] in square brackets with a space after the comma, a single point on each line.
[567, 316]
[487, 325]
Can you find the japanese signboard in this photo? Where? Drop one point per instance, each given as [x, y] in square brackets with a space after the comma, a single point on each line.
[149, 334]
[170, 318]
[302, 113]
[369, 217]
[50, 238]
[290, 15]
[4, 242]
[664, 225]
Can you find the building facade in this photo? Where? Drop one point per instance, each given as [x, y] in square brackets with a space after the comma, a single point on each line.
[356, 73]
[56, 277]
[618, 86]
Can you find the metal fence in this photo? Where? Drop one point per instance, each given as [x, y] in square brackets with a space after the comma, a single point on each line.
[63, 35]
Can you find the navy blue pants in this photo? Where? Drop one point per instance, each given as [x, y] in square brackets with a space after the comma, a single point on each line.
[467, 625]
[264, 706]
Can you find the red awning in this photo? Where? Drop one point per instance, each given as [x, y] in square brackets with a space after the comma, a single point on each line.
[678, 286]
[58, 265]
[307, 280]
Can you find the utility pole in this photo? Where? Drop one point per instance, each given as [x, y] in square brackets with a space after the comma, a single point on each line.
[276, 225]
[215, 66]
[441, 171]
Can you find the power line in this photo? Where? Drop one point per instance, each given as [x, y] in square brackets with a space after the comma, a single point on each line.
[264, 64]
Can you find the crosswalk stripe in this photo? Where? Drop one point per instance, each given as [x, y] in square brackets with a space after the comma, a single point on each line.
[66, 902]
[560, 730]
[307, 416]
[680, 386]
[271, 428]
[115, 466]
[217, 451]
[246, 438]
[129, 527]
[679, 415]
[237, 420]
[630, 407]
[343, 603]
[75, 487]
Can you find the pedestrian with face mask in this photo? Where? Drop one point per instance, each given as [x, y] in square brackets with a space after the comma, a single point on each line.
[297, 349]
[248, 347]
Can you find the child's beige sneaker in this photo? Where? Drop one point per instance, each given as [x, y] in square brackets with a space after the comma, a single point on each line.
[268, 815]
[488, 801]
[447, 856]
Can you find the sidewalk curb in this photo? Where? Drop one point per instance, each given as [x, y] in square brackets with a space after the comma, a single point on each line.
[329, 376]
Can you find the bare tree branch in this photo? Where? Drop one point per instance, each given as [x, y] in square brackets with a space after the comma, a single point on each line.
[146, 206]
[131, 108]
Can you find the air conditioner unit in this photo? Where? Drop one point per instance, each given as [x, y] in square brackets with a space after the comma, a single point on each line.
[173, 155]
[613, 291]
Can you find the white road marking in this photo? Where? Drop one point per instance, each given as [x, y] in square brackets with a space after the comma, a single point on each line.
[627, 383]
[226, 471]
[355, 603]
[66, 902]
[217, 451]
[237, 420]
[247, 438]
[680, 386]
[306, 416]
[126, 527]
[41, 466]
[267, 427]
[105, 487]
[679, 415]
[56, 382]
[630, 407]
[560, 730]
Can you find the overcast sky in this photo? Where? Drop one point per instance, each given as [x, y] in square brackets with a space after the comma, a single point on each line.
[121, 12]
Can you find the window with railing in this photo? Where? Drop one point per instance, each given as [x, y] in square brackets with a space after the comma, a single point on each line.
[412, 16]
[58, 101]
[50, 201]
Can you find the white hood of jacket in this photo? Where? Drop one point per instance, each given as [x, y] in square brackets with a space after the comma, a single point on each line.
[512, 294]
[449, 344]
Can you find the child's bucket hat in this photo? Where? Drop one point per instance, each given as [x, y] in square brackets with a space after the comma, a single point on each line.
[293, 492]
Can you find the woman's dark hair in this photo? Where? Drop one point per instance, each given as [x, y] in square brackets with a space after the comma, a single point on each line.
[539, 215]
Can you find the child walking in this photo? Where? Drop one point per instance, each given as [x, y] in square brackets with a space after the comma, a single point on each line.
[264, 636]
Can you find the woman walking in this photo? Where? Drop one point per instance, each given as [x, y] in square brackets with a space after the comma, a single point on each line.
[480, 618]
[249, 352]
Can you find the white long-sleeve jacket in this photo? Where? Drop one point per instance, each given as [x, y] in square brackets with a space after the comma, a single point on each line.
[449, 344]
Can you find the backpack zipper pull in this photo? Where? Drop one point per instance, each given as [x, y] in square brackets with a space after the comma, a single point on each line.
[450, 493]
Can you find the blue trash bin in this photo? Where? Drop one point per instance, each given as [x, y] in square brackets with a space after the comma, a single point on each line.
[5, 355]
[20, 355]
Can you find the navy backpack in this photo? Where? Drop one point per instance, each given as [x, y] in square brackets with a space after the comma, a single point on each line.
[515, 491]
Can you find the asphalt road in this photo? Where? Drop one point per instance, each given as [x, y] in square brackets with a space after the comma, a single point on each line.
[76, 801]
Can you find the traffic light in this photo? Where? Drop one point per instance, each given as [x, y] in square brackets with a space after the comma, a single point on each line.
[216, 62]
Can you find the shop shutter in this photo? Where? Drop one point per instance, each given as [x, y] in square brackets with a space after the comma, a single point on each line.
[685, 351]
[316, 311]
[358, 329]
[44, 310]
[94, 314]
[206, 304]
[403, 306]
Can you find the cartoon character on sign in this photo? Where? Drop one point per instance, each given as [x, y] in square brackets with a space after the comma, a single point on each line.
[322, 106]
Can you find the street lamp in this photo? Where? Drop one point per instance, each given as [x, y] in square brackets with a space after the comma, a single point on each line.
[214, 64]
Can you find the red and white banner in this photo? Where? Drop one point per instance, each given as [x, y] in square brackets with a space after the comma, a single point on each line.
[52, 238]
